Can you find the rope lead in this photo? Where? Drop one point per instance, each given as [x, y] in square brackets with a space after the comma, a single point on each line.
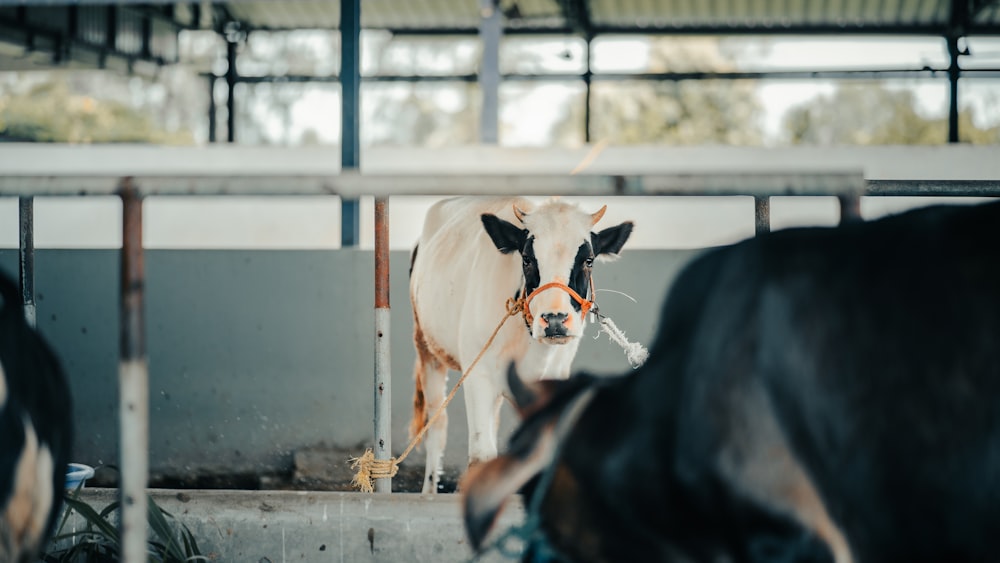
[368, 468]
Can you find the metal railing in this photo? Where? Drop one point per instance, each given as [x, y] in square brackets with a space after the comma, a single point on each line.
[35, 171]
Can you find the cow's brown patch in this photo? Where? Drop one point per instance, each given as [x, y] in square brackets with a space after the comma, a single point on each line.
[26, 513]
[759, 464]
[427, 355]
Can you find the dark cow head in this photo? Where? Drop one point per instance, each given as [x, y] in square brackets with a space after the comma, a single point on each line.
[548, 408]
[35, 432]
[604, 495]
[557, 247]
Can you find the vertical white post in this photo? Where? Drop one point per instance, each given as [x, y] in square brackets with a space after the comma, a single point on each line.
[383, 369]
[133, 383]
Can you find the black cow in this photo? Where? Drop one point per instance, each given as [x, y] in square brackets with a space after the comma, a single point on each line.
[817, 394]
[35, 433]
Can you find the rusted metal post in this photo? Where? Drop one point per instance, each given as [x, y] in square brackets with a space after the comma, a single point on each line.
[133, 382]
[762, 214]
[850, 208]
[383, 371]
[26, 251]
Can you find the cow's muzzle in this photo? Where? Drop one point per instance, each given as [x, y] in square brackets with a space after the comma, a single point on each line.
[556, 325]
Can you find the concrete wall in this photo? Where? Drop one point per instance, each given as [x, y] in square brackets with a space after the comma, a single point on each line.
[255, 354]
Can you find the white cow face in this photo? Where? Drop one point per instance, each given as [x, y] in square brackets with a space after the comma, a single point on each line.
[556, 246]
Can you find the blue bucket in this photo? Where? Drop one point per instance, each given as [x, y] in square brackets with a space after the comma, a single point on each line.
[77, 475]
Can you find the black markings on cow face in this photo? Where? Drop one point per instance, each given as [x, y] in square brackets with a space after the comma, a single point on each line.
[579, 278]
[529, 265]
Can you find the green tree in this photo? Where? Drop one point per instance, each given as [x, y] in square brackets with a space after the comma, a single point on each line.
[875, 115]
[680, 113]
[50, 111]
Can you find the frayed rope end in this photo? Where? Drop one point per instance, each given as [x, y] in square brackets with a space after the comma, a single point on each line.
[368, 469]
[635, 352]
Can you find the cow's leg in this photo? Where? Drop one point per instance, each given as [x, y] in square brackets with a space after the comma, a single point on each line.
[481, 398]
[434, 377]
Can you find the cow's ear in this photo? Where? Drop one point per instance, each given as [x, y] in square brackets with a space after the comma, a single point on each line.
[506, 236]
[487, 486]
[610, 241]
[529, 398]
[524, 396]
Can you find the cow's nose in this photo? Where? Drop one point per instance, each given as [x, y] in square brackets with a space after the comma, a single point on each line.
[554, 324]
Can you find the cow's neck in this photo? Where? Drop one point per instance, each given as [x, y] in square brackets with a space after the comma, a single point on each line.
[549, 361]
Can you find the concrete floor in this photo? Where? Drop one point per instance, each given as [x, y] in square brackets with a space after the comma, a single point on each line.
[285, 526]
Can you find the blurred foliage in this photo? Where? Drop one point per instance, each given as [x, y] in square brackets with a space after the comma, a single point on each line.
[874, 115]
[51, 111]
[689, 112]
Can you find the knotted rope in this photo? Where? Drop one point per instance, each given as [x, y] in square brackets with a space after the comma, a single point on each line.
[368, 468]
[635, 352]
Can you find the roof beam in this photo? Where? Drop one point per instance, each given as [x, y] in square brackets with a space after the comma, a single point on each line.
[929, 30]
[854, 74]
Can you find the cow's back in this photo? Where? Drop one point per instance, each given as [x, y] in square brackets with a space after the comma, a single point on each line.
[888, 388]
[460, 282]
[874, 349]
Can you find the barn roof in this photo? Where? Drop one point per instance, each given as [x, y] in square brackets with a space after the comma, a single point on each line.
[101, 33]
[925, 17]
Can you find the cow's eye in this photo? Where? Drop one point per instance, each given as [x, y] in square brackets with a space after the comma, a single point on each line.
[589, 262]
[526, 261]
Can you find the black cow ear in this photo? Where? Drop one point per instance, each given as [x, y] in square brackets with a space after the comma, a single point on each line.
[523, 395]
[610, 241]
[505, 236]
[487, 486]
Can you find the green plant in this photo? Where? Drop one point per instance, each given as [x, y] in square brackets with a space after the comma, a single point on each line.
[99, 542]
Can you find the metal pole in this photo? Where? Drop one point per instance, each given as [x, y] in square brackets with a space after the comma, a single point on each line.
[26, 208]
[212, 111]
[587, 80]
[489, 72]
[762, 215]
[383, 370]
[133, 383]
[231, 79]
[350, 126]
[954, 72]
[850, 208]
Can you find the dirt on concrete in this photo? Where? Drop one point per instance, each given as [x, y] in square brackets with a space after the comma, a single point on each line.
[317, 468]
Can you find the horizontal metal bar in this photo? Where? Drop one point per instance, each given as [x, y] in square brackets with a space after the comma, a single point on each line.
[874, 74]
[749, 28]
[356, 185]
[350, 184]
[949, 162]
[68, 170]
[918, 188]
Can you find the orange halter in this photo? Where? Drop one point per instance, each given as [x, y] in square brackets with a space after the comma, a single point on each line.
[585, 305]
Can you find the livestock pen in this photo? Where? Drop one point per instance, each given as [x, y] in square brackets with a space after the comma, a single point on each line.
[265, 353]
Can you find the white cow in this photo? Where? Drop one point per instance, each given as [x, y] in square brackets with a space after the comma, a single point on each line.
[473, 255]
